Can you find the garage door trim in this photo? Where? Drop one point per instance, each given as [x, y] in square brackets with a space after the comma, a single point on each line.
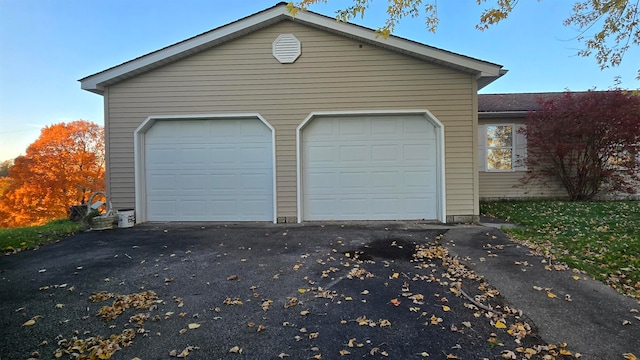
[440, 158]
[139, 153]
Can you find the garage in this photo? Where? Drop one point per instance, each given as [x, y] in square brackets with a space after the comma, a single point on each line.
[217, 169]
[371, 167]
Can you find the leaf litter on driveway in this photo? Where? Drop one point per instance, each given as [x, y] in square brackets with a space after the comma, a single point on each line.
[342, 293]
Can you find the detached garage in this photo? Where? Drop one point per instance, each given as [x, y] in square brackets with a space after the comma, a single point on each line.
[282, 119]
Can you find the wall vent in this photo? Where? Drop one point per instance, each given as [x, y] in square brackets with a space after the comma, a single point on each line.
[286, 48]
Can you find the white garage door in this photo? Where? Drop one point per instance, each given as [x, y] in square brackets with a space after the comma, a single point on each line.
[369, 168]
[209, 170]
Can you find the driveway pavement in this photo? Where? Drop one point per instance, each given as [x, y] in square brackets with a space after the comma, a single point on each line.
[264, 291]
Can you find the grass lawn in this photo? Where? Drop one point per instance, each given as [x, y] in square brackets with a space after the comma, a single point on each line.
[17, 239]
[601, 238]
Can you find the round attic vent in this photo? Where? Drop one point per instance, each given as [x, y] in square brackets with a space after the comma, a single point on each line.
[286, 48]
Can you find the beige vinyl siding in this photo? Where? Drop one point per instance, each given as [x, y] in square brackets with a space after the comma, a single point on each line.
[333, 74]
[509, 184]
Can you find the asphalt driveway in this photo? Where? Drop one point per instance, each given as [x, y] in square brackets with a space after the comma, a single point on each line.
[259, 291]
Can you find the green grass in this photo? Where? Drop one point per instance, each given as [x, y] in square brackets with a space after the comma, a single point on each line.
[600, 238]
[18, 239]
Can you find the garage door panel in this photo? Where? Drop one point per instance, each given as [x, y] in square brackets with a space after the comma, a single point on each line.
[369, 168]
[320, 154]
[162, 182]
[160, 157]
[353, 153]
[162, 208]
[194, 156]
[380, 153]
[253, 183]
[209, 170]
[384, 128]
[355, 181]
[193, 182]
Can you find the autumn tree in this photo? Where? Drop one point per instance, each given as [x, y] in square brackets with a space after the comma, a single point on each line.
[61, 168]
[606, 28]
[589, 142]
[4, 167]
[4, 176]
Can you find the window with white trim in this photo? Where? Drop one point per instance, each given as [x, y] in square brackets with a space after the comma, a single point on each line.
[501, 147]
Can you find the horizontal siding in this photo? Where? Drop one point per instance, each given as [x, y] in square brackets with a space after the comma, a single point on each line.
[332, 74]
[508, 185]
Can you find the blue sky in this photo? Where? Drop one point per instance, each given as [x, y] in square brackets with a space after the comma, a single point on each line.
[47, 45]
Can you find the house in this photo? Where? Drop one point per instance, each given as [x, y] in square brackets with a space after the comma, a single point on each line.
[502, 149]
[501, 163]
[283, 119]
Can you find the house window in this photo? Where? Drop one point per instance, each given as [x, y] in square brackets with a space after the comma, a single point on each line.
[499, 147]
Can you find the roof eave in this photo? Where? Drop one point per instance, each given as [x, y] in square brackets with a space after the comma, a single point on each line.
[503, 114]
[484, 71]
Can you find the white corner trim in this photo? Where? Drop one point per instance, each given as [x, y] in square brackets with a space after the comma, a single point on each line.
[440, 161]
[139, 159]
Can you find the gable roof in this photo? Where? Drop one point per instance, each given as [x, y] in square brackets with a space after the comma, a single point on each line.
[514, 104]
[484, 71]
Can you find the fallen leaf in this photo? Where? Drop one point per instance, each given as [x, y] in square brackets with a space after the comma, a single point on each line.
[344, 352]
[29, 323]
[232, 277]
[629, 356]
[446, 308]
[575, 277]
[500, 324]
[395, 302]
[305, 312]
[194, 326]
[551, 295]
[424, 354]
[283, 355]
[235, 350]
[395, 275]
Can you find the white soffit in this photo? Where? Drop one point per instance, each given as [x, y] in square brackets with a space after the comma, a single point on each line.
[286, 48]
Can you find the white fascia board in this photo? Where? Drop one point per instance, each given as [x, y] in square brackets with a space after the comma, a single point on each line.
[482, 68]
[93, 82]
[486, 72]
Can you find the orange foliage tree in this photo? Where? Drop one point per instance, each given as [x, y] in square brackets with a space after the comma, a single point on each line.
[61, 168]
